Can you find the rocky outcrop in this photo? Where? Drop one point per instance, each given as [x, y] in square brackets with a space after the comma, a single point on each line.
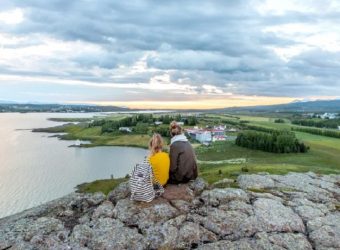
[293, 211]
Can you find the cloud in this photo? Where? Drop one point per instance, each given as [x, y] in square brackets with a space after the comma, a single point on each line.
[141, 48]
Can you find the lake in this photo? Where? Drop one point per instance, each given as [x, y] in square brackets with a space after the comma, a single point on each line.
[36, 168]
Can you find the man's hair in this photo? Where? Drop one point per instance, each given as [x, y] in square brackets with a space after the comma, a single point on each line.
[175, 128]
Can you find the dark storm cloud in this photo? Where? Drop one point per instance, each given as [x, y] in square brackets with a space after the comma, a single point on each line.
[197, 42]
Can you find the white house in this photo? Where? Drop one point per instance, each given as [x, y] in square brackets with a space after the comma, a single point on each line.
[158, 123]
[218, 134]
[201, 135]
[328, 116]
[125, 129]
[204, 136]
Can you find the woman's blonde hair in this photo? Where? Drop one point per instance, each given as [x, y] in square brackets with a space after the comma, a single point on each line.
[156, 143]
[175, 129]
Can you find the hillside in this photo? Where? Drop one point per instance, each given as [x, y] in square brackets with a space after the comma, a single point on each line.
[293, 211]
[311, 106]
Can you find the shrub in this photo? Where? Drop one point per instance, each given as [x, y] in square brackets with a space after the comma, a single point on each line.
[279, 120]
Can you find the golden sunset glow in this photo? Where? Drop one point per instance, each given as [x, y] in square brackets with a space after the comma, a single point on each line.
[200, 104]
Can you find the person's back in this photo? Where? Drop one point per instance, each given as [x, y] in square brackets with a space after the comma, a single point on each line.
[160, 163]
[183, 166]
[159, 160]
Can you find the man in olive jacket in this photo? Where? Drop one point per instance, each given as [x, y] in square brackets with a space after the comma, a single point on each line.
[183, 166]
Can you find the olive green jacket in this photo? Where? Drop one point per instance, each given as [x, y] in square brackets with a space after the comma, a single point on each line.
[183, 165]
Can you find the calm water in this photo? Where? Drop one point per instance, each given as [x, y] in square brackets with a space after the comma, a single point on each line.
[35, 168]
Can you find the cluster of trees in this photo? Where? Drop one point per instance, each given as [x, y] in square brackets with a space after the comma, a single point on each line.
[327, 123]
[162, 130]
[317, 131]
[279, 120]
[275, 142]
[190, 120]
[141, 122]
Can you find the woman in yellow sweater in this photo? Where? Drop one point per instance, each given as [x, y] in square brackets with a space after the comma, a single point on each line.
[159, 160]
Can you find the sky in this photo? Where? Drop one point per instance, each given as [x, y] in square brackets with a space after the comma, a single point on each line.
[169, 54]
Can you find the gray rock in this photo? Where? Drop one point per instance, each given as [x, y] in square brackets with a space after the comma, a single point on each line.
[104, 210]
[161, 236]
[112, 234]
[277, 196]
[308, 212]
[198, 185]
[177, 221]
[325, 231]
[326, 236]
[244, 244]
[223, 223]
[264, 241]
[272, 216]
[255, 181]
[193, 234]
[332, 220]
[81, 236]
[43, 226]
[304, 183]
[122, 191]
[219, 196]
[238, 206]
[291, 241]
[144, 214]
[95, 199]
[182, 206]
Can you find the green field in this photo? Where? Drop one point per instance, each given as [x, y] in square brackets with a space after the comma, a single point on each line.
[323, 157]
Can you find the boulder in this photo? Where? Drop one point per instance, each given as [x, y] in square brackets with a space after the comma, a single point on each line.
[104, 210]
[324, 232]
[219, 196]
[144, 214]
[272, 216]
[112, 234]
[255, 181]
[122, 191]
[178, 192]
[198, 185]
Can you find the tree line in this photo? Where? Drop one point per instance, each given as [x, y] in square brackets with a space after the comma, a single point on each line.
[327, 123]
[318, 131]
[275, 142]
[140, 123]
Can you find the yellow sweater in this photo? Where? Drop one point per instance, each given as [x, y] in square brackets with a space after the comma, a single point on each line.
[160, 163]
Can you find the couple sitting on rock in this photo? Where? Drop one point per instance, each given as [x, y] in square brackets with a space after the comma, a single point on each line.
[180, 166]
[177, 167]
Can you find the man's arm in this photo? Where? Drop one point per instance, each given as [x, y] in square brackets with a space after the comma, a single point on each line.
[173, 159]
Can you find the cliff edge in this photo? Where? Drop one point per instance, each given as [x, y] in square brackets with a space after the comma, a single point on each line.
[293, 211]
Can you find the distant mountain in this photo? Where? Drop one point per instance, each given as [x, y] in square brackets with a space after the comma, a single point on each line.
[7, 102]
[296, 106]
[58, 108]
